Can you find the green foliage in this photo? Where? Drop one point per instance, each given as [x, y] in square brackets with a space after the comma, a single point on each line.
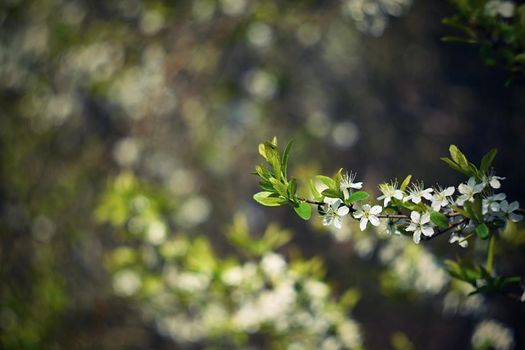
[499, 32]
[480, 278]
[439, 220]
[272, 238]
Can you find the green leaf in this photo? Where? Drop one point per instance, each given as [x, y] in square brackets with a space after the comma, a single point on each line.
[487, 159]
[453, 165]
[267, 199]
[327, 181]
[439, 220]
[482, 231]
[279, 187]
[461, 211]
[292, 188]
[286, 154]
[405, 183]
[331, 193]
[459, 158]
[357, 196]
[261, 151]
[303, 210]
[317, 196]
[266, 185]
[272, 154]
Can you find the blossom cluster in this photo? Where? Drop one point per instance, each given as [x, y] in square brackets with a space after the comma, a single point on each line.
[474, 207]
[197, 298]
[423, 202]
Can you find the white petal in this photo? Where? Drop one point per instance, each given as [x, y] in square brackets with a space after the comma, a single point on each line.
[374, 220]
[337, 222]
[417, 237]
[425, 218]
[471, 182]
[342, 211]
[463, 243]
[461, 199]
[387, 200]
[362, 224]
[514, 206]
[515, 217]
[449, 191]
[427, 231]
[398, 194]
[358, 214]
[499, 196]
[427, 195]
[494, 183]
[478, 188]
[411, 227]
[327, 220]
[414, 216]
[463, 189]
[357, 185]
[376, 209]
[436, 205]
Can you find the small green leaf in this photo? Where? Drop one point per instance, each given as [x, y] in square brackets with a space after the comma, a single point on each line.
[303, 210]
[261, 151]
[459, 158]
[317, 196]
[331, 193]
[266, 185]
[461, 211]
[439, 219]
[292, 188]
[405, 183]
[286, 154]
[327, 181]
[267, 199]
[487, 159]
[357, 196]
[453, 165]
[279, 187]
[482, 230]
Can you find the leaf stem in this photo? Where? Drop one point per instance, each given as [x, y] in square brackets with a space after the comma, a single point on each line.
[490, 254]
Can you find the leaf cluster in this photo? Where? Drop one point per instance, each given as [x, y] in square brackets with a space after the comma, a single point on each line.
[480, 278]
[501, 38]
[278, 188]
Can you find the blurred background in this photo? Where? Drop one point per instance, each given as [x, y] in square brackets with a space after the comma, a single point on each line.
[128, 132]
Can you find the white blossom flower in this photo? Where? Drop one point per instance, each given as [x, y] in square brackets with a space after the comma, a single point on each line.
[333, 213]
[368, 214]
[417, 192]
[439, 199]
[420, 225]
[502, 8]
[492, 203]
[492, 180]
[391, 227]
[509, 210]
[463, 243]
[493, 334]
[468, 191]
[389, 191]
[347, 182]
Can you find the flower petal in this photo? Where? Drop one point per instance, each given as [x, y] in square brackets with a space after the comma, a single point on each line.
[362, 224]
[417, 237]
[337, 222]
[374, 220]
[342, 211]
[376, 209]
